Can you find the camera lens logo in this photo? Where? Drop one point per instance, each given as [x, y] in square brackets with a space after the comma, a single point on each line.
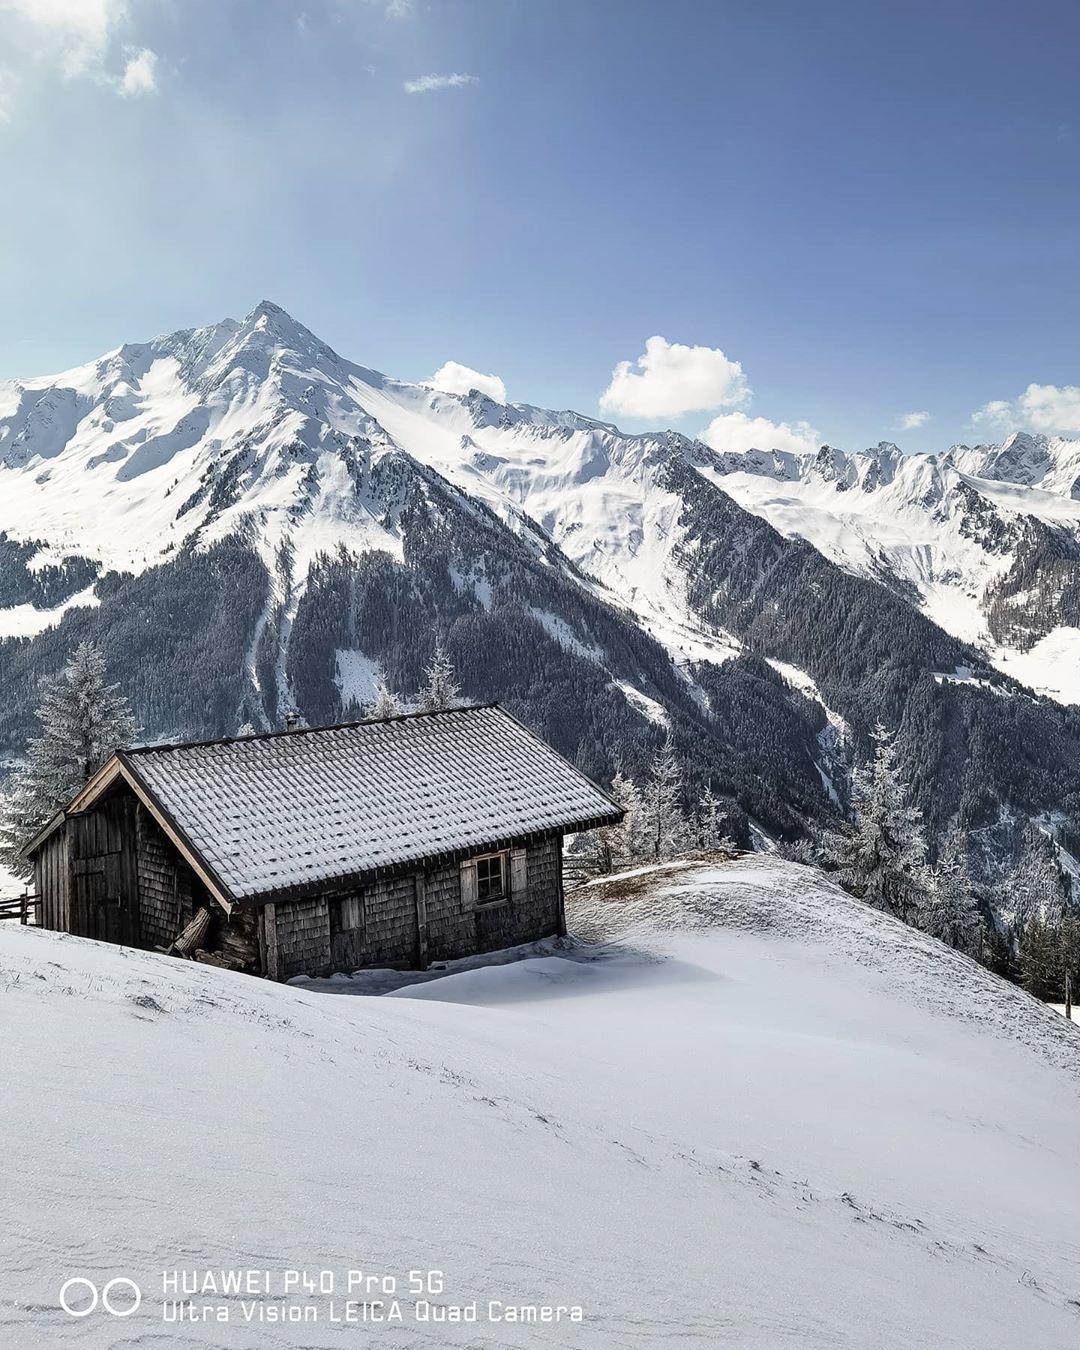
[119, 1298]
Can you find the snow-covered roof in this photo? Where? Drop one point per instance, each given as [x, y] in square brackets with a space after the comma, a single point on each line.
[298, 809]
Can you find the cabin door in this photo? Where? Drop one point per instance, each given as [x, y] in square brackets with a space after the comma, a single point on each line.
[104, 892]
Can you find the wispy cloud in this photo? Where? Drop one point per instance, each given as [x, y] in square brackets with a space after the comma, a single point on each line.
[425, 84]
[7, 91]
[76, 37]
[76, 30]
[913, 420]
[140, 73]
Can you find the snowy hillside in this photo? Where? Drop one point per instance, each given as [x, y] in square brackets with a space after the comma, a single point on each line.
[755, 1115]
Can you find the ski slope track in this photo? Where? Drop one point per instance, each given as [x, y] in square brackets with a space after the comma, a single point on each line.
[739, 1109]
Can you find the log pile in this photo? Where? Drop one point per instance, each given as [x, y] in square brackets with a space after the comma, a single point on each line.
[192, 937]
[236, 946]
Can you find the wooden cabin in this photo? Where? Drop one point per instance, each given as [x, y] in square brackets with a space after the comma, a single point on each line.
[400, 842]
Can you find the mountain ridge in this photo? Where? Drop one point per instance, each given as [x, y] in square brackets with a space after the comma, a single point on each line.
[250, 522]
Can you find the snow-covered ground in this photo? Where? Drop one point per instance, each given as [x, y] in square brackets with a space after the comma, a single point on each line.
[747, 1112]
[11, 886]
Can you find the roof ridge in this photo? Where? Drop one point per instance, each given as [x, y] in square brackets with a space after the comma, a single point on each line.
[307, 731]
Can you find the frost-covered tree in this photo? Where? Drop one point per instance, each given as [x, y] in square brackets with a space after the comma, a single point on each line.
[440, 689]
[950, 910]
[248, 729]
[83, 720]
[1037, 887]
[385, 703]
[803, 851]
[665, 827]
[881, 855]
[620, 845]
[711, 833]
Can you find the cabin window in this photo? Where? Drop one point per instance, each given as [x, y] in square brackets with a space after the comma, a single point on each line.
[491, 878]
[350, 913]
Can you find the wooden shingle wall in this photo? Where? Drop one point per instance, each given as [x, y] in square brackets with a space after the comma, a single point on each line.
[526, 918]
[302, 937]
[167, 886]
[297, 936]
[389, 922]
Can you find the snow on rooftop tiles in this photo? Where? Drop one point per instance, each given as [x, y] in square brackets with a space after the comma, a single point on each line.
[271, 813]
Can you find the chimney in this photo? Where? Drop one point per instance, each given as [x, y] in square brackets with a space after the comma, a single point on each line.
[292, 720]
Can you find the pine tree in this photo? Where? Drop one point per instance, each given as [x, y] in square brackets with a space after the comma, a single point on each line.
[622, 844]
[1037, 886]
[950, 911]
[1042, 971]
[385, 703]
[665, 826]
[997, 954]
[1070, 953]
[84, 720]
[712, 831]
[440, 690]
[881, 858]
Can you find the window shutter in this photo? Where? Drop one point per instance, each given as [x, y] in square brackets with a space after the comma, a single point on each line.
[468, 885]
[519, 874]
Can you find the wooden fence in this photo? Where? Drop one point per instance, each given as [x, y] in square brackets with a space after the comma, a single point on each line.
[22, 907]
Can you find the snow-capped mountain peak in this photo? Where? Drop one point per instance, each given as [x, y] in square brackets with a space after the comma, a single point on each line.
[196, 432]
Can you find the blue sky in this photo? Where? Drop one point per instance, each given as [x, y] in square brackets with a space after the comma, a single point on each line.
[830, 216]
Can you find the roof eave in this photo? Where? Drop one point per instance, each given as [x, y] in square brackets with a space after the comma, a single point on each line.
[428, 862]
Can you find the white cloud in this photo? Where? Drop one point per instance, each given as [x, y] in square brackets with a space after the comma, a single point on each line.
[424, 84]
[140, 73]
[737, 431]
[1041, 407]
[77, 30]
[670, 379]
[912, 421]
[454, 378]
[77, 36]
[998, 414]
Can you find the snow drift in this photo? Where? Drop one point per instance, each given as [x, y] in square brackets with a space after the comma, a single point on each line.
[747, 1111]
